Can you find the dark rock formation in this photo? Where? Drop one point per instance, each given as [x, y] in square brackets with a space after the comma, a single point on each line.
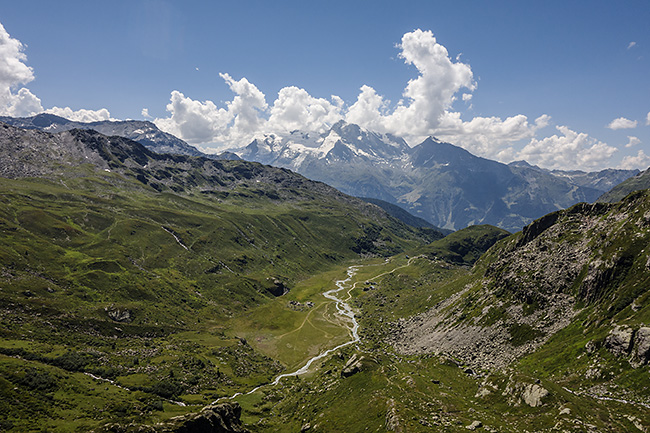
[219, 418]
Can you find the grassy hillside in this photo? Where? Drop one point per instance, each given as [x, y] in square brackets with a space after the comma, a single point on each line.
[119, 277]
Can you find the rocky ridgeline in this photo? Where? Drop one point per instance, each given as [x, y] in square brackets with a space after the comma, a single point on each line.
[28, 153]
[533, 284]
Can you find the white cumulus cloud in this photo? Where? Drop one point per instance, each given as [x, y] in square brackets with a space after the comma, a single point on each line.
[647, 118]
[82, 115]
[569, 149]
[622, 123]
[640, 161]
[369, 110]
[296, 109]
[632, 141]
[15, 101]
[203, 122]
[429, 96]
[490, 137]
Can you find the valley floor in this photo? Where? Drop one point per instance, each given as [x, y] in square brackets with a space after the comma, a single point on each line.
[368, 386]
[363, 385]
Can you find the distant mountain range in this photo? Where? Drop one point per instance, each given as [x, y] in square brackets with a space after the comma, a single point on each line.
[635, 183]
[439, 182]
[144, 132]
[435, 181]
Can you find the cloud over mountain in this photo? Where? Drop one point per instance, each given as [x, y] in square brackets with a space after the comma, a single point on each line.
[428, 106]
[425, 109]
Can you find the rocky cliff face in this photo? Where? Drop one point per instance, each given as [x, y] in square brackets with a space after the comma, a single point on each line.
[220, 418]
[142, 131]
[589, 258]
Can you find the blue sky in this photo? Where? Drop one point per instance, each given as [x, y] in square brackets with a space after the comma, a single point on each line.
[542, 81]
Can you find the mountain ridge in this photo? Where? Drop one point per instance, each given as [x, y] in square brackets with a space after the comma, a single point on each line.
[439, 182]
[142, 131]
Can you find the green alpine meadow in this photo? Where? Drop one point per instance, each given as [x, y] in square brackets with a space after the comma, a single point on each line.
[146, 292]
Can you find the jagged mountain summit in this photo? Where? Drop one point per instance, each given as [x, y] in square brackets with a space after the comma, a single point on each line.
[439, 182]
[144, 132]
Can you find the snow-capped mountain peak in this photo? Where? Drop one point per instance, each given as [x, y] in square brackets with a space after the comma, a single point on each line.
[342, 142]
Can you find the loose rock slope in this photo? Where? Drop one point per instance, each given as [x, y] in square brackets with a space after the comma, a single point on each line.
[531, 285]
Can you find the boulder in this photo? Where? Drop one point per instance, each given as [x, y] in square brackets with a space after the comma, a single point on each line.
[533, 395]
[619, 340]
[642, 344]
[122, 316]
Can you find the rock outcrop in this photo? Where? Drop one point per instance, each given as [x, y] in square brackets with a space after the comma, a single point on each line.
[353, 366]
[533, 395]
[630, 343]
[619, 341]
[219, 418]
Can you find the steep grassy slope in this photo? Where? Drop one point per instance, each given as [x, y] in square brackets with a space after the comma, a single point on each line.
[120, 270]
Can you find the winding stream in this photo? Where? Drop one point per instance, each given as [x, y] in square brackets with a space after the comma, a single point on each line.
[344, 310]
